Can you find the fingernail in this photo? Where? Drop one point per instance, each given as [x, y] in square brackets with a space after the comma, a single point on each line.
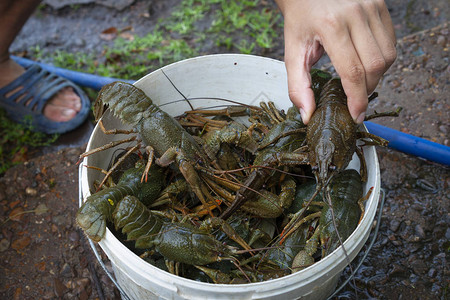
[303, 114]
[360, 118]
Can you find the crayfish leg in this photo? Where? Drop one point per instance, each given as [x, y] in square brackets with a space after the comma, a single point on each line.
[248, 190]
[273, 113]
[118, 162]
[151, 154]
[375, 139]
[284, 134]
[304, 258]
[292, 225]
[373, 96]
[216, 276]
[173, 267]
[189, 173]
[114, 131]
[361, 203]
[297, 224]
[201, 210]
[170, 193]
[230, 111]
[215, 222]
[363, 167]
[395, 113]
[194, 120]
[107, 146]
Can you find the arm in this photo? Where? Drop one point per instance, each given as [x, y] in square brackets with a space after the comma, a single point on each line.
[358, 37]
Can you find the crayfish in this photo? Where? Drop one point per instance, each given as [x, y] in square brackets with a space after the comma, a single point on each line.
[345, 191]
[243, 178]
[161, 135]
[332, 135]
[98, 208]
[331, 138]
[176, 241]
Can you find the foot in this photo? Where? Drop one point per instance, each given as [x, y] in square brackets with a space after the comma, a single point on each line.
[62, 107]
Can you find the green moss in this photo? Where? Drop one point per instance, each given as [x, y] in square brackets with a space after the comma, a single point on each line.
[16, 139]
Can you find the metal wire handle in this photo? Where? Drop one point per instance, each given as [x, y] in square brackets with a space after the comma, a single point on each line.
[377, 227]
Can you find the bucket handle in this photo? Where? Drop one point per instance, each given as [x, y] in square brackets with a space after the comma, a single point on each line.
[91, 243]
[377, 227]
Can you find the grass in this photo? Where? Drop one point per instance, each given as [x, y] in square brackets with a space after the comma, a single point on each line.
[234, 26]
[249, 27]
[16, 140]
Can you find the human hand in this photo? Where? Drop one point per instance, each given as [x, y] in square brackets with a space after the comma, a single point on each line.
[357, 35]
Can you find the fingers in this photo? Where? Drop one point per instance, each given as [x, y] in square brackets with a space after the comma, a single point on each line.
[301, 52]
[383, 31]
[299, 85]
[374, 41]
[386, 20]
[344, 56]
[361, 48]
[368, 51]
[358, 37]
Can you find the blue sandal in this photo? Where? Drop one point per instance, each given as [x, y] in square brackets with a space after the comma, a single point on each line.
[30, 93]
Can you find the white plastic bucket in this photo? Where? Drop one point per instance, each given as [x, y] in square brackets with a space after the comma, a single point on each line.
[247, 79]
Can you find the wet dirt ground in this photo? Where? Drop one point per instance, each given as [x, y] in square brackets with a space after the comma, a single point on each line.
[44, 255]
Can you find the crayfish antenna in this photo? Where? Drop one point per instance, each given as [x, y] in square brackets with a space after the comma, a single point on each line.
[327, 197]
[256, 181]
[235, 262]
[175, 87]
[296, 221]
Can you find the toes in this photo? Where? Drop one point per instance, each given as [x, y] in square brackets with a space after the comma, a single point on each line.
[59, 113]
[66, 98]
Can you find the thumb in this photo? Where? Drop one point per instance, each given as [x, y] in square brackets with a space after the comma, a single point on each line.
[299, 85]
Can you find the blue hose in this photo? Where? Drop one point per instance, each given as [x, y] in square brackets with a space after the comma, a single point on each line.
[411, 144]
[83, 79]
[397, 140]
